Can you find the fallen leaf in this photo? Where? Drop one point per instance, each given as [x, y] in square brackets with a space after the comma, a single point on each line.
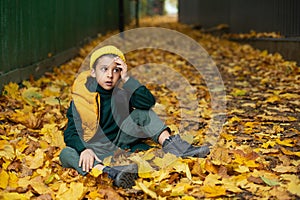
[95, 172]
[213, 190]
[30, 95]
[286, 142]
[37, 160]
[220, 156]
[144, 168]
[238, 92]
[285, 169]
[269, 181]
[38, 185]
[294, 188]
[76, 191]
[4, 177]
[13, 195]
[11, 90]
[151, 193]
[109, 193]
[290, 153]
[7, 152]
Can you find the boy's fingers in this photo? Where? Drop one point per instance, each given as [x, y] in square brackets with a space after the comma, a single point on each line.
[91, 163]
[96, 158]
[83, 166]
[80, 161]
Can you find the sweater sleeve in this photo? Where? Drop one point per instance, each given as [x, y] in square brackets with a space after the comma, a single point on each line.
[141, 97]
[71, 136]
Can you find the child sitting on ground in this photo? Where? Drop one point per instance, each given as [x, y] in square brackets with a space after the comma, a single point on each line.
[103, 117]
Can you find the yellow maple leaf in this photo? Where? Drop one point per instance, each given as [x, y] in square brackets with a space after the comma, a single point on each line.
[290, 153]
[95, 172]
[180, 189]
[149, 155]
[37, 160]
[286, 142]
[44, 172]
[52, 101]
[4, 177]
[242, 160]
[31, 95]
[212, 179]
[39, 186]
[95, 195]
[290, 96]
[76, 191]
[24, 182]
[143, 187]
[290, 177]
[265, 175]
[234, 119]
[3, 143]
[13, 195]
[52, 135]
[161, 175]
[241, 169]
[213, 190]
[272, 99]
[293, 186]
[238, 92]
[285, 169]
[268, 143]
[188, 172]
[144, 168]
[166, 162]
[11, 90]
[7, 151]
[227, 136]
[13, 180]
[188, 198]
[107, 161]
[231, 184]
[22, 145]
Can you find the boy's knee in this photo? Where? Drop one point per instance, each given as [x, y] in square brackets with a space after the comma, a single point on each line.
[66, 154]
[141, 117]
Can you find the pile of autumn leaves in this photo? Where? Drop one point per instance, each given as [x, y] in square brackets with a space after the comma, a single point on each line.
[256, 155]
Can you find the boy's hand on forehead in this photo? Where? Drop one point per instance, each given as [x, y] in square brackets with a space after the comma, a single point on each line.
[122, 65]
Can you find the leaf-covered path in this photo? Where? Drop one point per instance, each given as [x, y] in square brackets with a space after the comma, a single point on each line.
[257, 154]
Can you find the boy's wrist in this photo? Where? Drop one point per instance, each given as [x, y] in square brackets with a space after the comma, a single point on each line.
[125, 79]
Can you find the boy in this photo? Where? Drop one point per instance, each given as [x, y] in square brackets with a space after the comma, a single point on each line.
[103, 117]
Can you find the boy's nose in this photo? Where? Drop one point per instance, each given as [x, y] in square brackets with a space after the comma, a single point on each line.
[109, 73]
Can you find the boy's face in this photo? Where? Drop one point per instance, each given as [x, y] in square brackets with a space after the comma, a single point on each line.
[106, 72]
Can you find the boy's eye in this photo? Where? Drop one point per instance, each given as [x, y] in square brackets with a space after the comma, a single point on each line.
[103, 69]
[116, 70]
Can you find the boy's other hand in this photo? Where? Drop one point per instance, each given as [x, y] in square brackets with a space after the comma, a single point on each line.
[86, 160]
[121, 64]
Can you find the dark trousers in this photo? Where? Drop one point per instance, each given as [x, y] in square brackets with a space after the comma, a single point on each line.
[139, 125]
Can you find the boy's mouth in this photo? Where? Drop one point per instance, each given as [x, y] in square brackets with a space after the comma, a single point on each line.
[108, 83]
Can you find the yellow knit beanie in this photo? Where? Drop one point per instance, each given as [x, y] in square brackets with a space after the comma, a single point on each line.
[106, 50]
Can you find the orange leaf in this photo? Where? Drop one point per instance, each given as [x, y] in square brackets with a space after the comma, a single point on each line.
[220, 156]
[210, 167]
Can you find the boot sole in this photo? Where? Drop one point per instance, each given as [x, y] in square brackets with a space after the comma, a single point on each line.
[127, 177]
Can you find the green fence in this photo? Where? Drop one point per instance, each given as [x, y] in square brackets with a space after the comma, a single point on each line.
[35, 34]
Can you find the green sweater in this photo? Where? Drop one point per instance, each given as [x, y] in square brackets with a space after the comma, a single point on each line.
[140, 98]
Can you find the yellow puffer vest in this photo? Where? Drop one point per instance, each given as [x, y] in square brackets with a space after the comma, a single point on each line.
[87, 104]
